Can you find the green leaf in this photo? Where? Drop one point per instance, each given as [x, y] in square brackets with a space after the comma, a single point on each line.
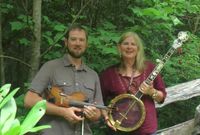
[110, 51]
[59, 27]
[7, 98]
[5, 8]
[151, 12]
[35, 129]
[8, 113]
[4, 91]
[14, 129]
[175, 20]
[49, 39]
[33, 117]
[46, 19]
[24, 41]
[108, 25]
[58, 36]
[16, 25]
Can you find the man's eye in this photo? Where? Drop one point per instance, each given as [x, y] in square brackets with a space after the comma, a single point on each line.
[82, 40]
[72, 39]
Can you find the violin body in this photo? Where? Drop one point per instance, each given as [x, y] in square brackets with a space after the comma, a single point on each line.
[57, 96]
[77, 99]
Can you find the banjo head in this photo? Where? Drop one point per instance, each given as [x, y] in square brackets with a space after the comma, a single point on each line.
[128, 112]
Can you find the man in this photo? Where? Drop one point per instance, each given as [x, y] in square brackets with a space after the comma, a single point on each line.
[71, 75]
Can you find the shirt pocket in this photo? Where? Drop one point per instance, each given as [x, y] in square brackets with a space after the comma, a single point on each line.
[65, 86]
[89, 90]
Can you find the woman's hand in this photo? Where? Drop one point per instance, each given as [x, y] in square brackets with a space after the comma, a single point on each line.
[152, 92]
[106, 118]
[146, 89]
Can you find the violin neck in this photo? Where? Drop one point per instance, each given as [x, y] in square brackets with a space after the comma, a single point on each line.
[82, 104]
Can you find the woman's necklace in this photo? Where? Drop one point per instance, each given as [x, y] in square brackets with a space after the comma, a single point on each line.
[127, 82]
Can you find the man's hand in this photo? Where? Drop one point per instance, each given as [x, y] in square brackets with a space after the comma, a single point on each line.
[70, 114]
[91, 112]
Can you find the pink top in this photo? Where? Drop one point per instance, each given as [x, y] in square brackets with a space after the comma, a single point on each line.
[113, 84]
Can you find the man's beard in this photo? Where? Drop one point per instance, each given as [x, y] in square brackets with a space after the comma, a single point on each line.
[74, 54]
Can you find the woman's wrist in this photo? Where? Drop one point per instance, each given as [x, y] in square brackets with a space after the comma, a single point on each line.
[154, 94]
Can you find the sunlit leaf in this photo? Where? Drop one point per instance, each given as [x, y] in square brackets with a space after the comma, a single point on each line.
[8, 112]
[4, 91]
[175, 20]
[35, 129]
[33, 117]
[7, 98]
[14, 129]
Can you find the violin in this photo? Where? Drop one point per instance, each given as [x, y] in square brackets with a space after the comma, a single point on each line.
[77, 99]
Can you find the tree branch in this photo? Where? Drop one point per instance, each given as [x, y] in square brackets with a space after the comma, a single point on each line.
[16, 59]
[76, 17]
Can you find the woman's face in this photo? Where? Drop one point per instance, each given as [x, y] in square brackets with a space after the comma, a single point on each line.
[128, 48]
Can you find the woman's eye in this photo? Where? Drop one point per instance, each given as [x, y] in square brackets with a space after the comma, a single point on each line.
[125, 43]
[133, 44]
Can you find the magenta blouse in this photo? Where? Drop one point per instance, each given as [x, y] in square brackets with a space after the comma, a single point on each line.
[113, 84]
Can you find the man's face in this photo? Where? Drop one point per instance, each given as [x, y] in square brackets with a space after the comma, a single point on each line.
[76, 43]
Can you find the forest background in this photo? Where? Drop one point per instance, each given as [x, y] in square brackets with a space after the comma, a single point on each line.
[32, 32]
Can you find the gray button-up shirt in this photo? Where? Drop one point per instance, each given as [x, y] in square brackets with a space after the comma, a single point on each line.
[62, 73]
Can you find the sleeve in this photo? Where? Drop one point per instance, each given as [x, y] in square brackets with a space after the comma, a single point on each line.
[42, 79]
[104, 86]
[158, 83]
[98, 94]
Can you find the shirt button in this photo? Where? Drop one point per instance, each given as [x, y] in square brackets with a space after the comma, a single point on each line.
[64, 83]
[76, 84]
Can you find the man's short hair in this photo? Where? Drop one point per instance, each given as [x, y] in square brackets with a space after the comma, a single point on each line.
[76, 26]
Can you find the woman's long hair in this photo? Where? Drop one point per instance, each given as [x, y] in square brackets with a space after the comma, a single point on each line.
[140, 57]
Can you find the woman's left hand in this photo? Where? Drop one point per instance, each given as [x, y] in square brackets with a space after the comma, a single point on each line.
[146, 89]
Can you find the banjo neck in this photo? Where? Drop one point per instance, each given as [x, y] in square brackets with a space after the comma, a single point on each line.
[182, 37]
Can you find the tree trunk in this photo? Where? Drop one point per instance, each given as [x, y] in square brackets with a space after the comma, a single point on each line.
[36, 42]
[2, 73]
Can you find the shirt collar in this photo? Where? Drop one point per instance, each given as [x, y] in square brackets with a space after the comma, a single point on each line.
[67, 63]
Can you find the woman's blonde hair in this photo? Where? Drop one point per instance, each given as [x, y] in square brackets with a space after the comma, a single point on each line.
[140, 57]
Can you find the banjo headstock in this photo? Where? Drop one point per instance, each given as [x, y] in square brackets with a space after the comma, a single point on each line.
[182, 37]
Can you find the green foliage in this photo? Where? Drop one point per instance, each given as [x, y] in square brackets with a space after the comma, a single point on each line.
[167, 116]
[185, 65]
[9, 125]
[5, 7]
[53, 33]
[102, 50]
[157, 22]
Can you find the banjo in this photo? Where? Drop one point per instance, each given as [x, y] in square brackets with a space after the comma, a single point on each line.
[129, 111]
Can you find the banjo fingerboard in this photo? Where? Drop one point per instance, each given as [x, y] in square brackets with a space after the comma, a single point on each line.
[182, 37]
[160, 65]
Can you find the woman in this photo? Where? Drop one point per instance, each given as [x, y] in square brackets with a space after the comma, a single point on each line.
[128, 77]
